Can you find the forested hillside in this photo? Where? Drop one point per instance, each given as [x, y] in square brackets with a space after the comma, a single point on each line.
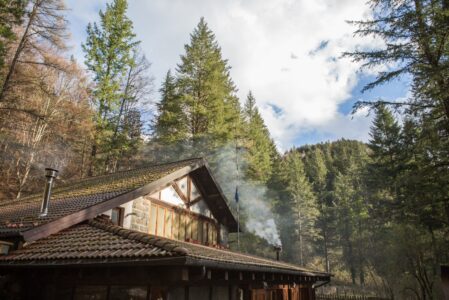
[375, 214]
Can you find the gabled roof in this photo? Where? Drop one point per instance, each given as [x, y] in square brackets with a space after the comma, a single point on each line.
[82, 200]
[98, 241]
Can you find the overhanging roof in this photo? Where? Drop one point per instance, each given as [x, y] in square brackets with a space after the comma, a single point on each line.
[82, 200]
[99, 242]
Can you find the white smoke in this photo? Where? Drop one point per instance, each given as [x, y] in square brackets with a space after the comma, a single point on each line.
[256, 215]
[255, 208]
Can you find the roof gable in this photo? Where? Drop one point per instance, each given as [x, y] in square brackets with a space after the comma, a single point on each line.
[83, 200]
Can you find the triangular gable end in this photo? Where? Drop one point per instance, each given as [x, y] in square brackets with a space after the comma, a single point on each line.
[197, 170]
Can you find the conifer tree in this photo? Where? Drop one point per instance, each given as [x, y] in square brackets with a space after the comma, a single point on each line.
[206, 90]
[260, 148]
[171, 122]
[415, 39]
[298, 204]
[108, 51]
[316, 169]
[385, 147]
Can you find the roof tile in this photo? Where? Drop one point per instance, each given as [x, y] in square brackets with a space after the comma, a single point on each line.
[98, 240]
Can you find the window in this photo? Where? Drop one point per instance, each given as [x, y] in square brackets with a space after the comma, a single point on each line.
[117, 216]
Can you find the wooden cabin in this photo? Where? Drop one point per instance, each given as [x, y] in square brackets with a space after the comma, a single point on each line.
[157, 232]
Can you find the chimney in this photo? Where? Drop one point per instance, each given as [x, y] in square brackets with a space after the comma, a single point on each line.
[50, 174]
[278, 250]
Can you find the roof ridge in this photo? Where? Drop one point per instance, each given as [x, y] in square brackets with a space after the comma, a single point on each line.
[86, 180]
[137, 169]
[139, 236]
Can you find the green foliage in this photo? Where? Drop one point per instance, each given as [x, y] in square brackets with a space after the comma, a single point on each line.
[415, 43]
[11, 13]
[109, 56]
[260, 148]
[299, 207]
[171, 122]
[206, 90]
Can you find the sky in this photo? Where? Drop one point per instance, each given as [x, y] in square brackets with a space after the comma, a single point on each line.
[287, 52]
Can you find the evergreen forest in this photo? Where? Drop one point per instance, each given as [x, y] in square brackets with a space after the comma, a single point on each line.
[374, 214]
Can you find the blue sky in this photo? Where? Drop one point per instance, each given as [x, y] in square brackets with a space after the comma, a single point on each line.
[287, 52]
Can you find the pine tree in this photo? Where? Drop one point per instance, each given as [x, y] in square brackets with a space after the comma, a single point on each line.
[298, 205]
[171, 122]
[415, 39]
[384, 168]
[259, 146]
[316, 169]
[207, 91]
[108, 51]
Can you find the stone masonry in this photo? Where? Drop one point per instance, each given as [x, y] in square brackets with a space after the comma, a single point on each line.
[140, 217]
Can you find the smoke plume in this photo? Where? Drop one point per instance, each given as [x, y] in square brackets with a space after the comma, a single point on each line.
[255, 210]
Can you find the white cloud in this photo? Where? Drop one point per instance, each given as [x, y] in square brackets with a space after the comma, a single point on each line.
[273, 47]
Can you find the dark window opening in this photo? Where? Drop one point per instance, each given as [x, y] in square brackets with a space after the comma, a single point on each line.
[117, 216]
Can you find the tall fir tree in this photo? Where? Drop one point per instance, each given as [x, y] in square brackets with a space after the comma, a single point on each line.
[259, 146]
[316, 169]
[206, 90]
[171, 123]
[384, 167]
[108, 50]
[297, 204]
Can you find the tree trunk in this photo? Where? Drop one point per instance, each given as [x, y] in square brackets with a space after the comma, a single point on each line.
[93, 155]
[117, 125]
[326, 254]
[19, 50]
[301, 261]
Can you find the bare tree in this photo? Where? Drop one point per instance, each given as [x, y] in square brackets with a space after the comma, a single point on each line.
[44, 27]
[60, 98]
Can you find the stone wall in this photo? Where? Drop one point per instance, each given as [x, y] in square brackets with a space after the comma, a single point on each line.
[140, 214]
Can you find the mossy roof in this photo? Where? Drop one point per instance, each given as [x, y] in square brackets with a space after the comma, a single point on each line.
[22, 214]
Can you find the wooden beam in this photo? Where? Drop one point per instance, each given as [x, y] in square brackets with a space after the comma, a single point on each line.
[192, 202]
[179, 192]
